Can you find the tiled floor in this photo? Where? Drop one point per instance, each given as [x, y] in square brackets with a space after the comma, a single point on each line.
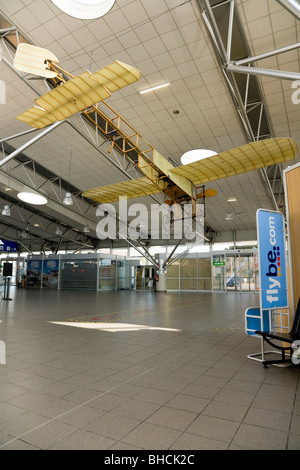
[184, 383]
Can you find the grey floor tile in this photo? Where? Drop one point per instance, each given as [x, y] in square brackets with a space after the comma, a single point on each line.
[242, 385]
[80, 416]
[18, 444]
[135, 409]
[274, 403]
[31, 400]
[268, 419]
[188, 403]
[23, 423]
[155, 396]
[83, 440]
[228, 411]
[49, 434]
[295, 424]
[152, 437]
[193, 442]
[124, 446]
[214, 428]
[293, 442]
[201, 391]
[112, 425]
[8, 411]
[172, 418]
[255, 437]
[235, 397]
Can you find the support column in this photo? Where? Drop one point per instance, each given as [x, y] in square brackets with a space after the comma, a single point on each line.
[161, 284]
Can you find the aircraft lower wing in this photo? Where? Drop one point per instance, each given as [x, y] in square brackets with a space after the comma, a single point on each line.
[131, 189]
[249, 157]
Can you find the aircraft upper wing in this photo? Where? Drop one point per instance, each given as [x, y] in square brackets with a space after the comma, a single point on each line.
[79, 93]
[249, 157]
[133, 188]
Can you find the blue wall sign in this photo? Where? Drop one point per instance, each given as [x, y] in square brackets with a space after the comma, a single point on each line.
[6, 246]
[272, 260]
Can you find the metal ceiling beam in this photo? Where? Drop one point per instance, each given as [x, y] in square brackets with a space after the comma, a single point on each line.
[30, 142]
[293, 6]
[281, 74]
[253, 116]
[17, 185]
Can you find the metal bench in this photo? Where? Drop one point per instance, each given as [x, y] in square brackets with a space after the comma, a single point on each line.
[290, 352]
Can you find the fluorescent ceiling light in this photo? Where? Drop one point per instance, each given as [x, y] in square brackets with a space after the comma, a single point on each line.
[232, 199]
[195, 155]
[31, 197]
[163, 85]
[84, 9]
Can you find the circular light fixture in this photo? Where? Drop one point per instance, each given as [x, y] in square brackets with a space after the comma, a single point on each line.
[31, 197]
[196, 155]
[84, 9]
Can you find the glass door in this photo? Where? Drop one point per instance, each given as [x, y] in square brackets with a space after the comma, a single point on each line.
[219, 272]
[240, 273]
[233, 278]
[247, 273]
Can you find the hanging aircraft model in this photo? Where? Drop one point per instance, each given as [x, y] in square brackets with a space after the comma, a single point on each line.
[81, 94]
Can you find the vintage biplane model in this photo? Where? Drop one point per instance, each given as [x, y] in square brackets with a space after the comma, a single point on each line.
[83, 93]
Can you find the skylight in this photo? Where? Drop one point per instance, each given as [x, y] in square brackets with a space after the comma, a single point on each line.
[84, 9]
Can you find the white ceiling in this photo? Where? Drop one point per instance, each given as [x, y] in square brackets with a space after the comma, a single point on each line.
[168, 41]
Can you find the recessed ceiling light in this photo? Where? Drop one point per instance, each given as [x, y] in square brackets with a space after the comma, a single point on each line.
[158, 87]
[84, 9]
[32, 197]
[196, 155]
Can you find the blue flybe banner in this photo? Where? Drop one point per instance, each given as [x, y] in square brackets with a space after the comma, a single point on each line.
[272, 259]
